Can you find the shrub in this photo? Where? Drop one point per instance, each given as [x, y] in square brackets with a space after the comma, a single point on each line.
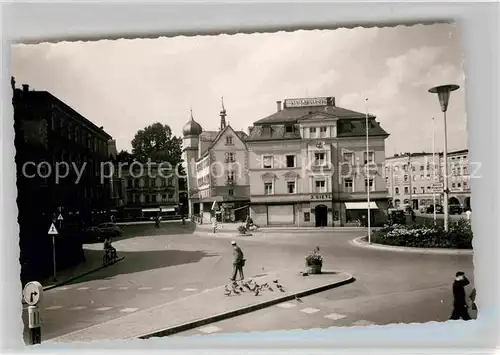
[314, 258]
[242, 229]
[459, 236]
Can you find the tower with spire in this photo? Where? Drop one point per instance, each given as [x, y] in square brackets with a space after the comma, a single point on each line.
[222, 116]
[191, 132]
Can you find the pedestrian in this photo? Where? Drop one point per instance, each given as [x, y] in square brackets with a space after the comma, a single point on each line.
[238, 261]
[467, 214]
[473, 299]
[459, 302]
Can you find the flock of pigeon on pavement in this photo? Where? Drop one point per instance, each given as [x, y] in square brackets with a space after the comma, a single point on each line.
[250, 286]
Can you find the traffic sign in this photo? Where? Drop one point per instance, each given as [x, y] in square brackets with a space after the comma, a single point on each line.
[33, 318]
[438, 185]
[60, 217]
[53, 230]
[438, 190]
[214, 205]
[32, 292]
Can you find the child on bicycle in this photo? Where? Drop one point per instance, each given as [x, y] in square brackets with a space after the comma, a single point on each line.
[108, 248]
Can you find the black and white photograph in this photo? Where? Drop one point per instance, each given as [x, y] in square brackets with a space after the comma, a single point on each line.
[250, 182]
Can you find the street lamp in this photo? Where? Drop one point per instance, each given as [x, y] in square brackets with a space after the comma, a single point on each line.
[443, 93]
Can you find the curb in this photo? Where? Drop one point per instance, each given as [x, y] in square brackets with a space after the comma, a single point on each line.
[81, 275]
[360, 242]
[244, 310]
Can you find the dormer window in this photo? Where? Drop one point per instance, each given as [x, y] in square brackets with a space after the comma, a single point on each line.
[289, 129]
[229, 140]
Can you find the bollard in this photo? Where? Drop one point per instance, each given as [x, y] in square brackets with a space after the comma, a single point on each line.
[34, 325]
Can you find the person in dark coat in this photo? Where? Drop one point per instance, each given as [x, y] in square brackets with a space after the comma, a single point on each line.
[238, 261]
[459, 298]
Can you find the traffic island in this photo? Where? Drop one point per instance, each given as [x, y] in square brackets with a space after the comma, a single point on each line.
[192, 311]
[363, 243]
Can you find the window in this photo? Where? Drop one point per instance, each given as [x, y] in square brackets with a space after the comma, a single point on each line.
[428, 188]
[423, 190]
[370, 157]
[396, 190]
[465, 170]
[348, 187]
[407, 190]
[459, 185]
[290, 161]
[319, 159]
[320, 186]
[267, 162]
[268, 188]
[153, 198]
[229, 140]
[369, 183]
[322, 129]
[147, 198]
[290, 186]
[289, 129]
[465, 184]
[348, 157]
[453, 185]
[164, 197]
[414, 190]
[307, 216]
[230, 192]
[406, 178]
[170, 195]
[312, 131]
[414, 178]
[230, 157]
[421, 168]
[230, 177]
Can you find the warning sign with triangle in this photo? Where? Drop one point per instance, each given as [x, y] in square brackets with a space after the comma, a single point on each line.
[60, 217]
[53, 230]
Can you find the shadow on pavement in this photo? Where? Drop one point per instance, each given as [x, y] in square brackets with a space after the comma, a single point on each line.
[138, 261]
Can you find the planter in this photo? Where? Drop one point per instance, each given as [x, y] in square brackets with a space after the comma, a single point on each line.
[313, 269]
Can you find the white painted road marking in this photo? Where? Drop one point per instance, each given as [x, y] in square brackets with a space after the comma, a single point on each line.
[210, 329]
[124, 288]
[103, 288]
[189, 289]
[128, 310]
[335, 316]
[144, 288]
[362, 323]
[77, 308]
[51, 308]
[104, 308]
[309, 310]
[167, 288]
[82, 288]
[286, 305]
[64, 288]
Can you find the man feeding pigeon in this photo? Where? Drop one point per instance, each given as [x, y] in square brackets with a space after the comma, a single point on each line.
[238, 261]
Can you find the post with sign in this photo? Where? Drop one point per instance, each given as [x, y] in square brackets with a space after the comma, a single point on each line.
[53, 232]
[32, 294]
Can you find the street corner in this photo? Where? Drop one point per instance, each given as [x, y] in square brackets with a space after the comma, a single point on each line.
[362, 242]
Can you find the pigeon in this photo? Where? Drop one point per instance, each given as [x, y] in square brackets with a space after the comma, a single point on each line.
[257, 291]
[280, 288]
[247, 286]
[275, 281]
[227, 291]
[241, 289]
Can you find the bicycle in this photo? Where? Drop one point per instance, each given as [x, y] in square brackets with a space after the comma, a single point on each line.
[109, 257]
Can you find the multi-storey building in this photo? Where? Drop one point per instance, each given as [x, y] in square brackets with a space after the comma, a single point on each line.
[417, 179]
[458, 177]
[307, 165]
[151, 190]
[49, 133]
[216, 164]
[413, 179]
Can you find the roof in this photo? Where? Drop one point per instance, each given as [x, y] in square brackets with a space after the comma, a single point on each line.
[213, 136]
[291, 114]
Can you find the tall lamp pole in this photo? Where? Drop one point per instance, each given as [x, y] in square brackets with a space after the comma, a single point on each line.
[434, 168]
[368, 176]
[443, 93]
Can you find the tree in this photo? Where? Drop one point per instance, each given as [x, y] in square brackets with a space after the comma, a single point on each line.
[124, 157]
[157, 143]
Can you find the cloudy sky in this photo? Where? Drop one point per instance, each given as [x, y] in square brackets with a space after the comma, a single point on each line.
[125, 85]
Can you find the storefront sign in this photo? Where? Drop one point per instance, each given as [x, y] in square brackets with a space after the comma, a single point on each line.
[317, 101]
[321, 197]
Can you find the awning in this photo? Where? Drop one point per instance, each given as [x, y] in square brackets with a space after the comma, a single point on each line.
[360, 205]
[150, 210]
[240, 208]
[168, 209]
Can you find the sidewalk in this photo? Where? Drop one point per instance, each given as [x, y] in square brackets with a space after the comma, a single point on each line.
[233, 228]
[192, 311]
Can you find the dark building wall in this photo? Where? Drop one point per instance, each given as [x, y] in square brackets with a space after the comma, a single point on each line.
[48, 131]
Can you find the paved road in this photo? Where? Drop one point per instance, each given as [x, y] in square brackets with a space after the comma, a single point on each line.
[164, 264]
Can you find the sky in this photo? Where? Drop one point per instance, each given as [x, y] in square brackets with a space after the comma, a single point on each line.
[126, 85]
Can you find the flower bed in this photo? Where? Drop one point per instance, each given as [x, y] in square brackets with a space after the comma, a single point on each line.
[459, 236]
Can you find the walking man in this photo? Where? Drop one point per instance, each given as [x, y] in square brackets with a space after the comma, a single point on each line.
[238, 261]
[459, 302]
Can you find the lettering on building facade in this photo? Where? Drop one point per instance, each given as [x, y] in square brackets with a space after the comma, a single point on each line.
[321, 197]
[318, 101]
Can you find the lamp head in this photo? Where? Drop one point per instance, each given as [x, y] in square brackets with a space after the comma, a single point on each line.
[443, 93]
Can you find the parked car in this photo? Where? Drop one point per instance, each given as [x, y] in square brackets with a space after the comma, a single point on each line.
[110, 229]
[455, 209]
[430, 209]
[92, 235]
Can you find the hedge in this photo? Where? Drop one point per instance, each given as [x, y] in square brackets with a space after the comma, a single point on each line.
[458, 236]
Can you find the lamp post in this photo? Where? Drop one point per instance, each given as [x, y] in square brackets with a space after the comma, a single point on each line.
[443, 93]
[367, 183]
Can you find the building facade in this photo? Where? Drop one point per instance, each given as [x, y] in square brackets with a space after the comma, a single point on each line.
[307, 165]
[48, 135]
[216, 163]
[150, 191]
[417, 179]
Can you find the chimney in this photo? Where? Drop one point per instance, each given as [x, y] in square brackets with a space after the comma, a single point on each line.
[26, 87]
[278, 104]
